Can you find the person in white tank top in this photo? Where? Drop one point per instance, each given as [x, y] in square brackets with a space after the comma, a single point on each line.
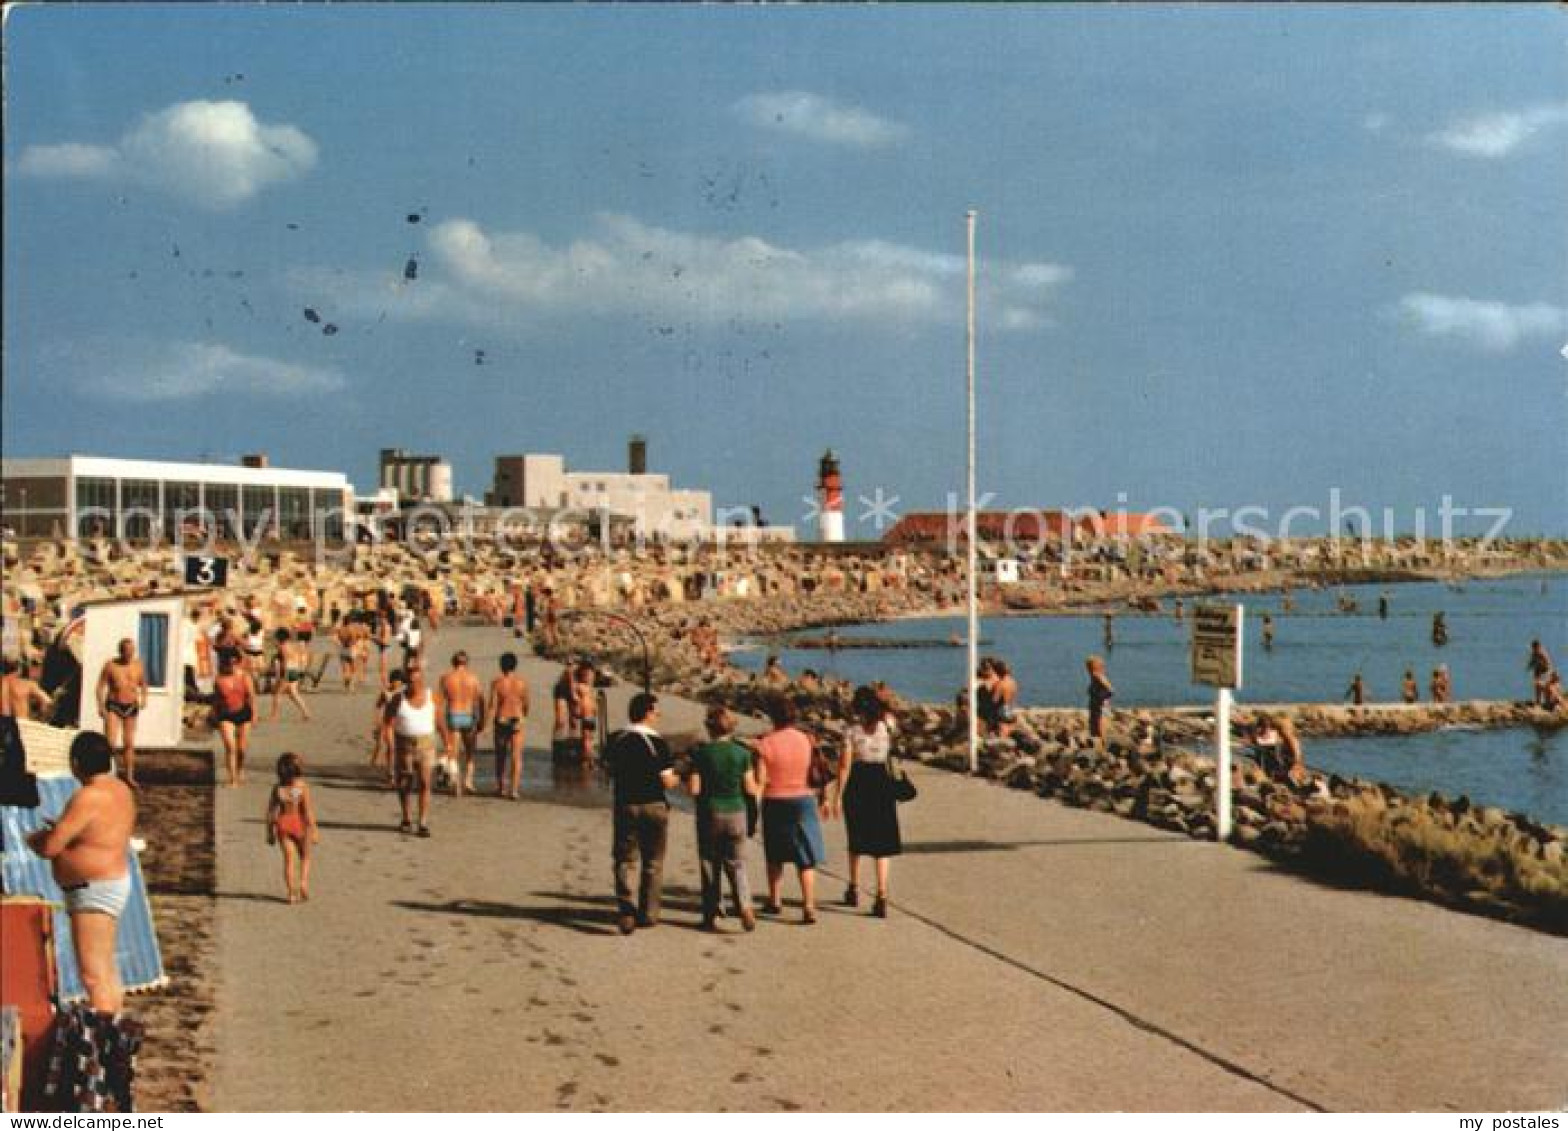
[413, 718]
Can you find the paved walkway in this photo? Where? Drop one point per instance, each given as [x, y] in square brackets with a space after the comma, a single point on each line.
[1037, 957]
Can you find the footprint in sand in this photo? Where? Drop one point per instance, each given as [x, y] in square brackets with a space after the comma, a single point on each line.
[582, 1018]
[716, 1029]
[740, 1078]
[762, 1050]
[537, 1002]
[607, 1060]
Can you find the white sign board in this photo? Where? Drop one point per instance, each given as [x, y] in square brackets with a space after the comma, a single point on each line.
[1216, 645]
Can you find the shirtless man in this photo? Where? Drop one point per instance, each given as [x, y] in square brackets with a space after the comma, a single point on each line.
[348, 635]
[89, 847]
[508, 706]
[18, 693]
[122, 695]
[462, 718]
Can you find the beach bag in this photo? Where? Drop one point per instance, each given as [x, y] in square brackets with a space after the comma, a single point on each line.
[903, 787]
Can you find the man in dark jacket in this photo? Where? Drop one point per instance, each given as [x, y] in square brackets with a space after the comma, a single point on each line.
[641, 768]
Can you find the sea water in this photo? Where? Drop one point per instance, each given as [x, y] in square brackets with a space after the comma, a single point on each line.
[1317, 650]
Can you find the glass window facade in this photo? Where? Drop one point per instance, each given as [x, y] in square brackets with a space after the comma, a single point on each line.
[97, 509]
[222, 501]
[327, 510]
[261, 511]
[140, 507]
[181, 502]
[294, 512]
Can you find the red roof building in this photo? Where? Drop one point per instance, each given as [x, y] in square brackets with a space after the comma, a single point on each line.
[1025, 526]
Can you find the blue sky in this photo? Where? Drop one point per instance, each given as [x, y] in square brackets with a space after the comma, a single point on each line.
[1228, 256]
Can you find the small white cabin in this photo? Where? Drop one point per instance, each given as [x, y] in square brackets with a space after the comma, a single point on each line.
[999, 571]
[157, 626]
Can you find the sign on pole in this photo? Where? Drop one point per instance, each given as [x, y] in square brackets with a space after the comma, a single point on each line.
[1216, 645]
[205, 571]
[1216, 661]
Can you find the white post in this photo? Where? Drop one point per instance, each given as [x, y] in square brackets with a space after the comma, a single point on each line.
[1222, 698]
[974, 604]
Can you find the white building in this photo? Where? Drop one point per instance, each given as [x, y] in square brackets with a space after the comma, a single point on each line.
[542, 482]
[78, 496]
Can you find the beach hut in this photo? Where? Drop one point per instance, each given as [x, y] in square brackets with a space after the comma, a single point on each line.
[157, 625]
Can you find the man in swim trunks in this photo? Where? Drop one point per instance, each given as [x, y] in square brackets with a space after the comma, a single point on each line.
[462, 718]
[508, 706]
[122, 694]
[89, 848]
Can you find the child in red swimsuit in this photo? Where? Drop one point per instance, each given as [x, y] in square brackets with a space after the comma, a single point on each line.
[291, 824]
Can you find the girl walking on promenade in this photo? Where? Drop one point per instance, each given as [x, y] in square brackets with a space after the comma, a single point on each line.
[791, 829]
[291, 825]
[870, 809]
[721, 779]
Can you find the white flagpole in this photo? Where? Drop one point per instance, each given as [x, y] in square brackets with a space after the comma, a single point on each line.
[974, 604]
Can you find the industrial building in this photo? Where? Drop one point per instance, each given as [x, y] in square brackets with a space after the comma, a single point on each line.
[417, 479]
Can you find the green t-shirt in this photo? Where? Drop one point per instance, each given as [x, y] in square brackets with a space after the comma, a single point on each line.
[723, 767]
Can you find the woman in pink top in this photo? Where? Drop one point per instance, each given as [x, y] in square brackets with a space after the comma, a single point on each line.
[791, 830]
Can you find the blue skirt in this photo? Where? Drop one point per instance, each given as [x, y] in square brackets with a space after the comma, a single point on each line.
[791, 832]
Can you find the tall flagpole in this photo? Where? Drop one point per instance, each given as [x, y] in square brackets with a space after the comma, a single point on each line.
[974, 603]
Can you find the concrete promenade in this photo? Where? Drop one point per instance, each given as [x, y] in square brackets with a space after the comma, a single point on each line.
[1037, 957]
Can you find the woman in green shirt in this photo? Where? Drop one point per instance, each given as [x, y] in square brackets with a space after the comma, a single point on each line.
[721, 777]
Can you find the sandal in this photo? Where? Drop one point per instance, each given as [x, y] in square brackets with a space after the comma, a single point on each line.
[852, 896]
[405, 826]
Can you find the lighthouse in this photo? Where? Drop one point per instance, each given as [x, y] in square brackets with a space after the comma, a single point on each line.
[830, 499]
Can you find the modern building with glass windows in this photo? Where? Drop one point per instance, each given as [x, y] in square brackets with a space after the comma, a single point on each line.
[85, 496]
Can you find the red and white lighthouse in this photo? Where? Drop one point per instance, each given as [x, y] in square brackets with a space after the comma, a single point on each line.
[830, 499]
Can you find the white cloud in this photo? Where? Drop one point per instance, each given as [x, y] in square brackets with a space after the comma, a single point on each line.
[1497, 327]
[812, 116]
[216, 154]
[178, 371]
[68, 160]
[628, 269]
[1500, 133]
[1376, 122]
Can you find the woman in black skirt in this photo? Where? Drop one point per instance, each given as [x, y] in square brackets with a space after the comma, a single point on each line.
[870, 811]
